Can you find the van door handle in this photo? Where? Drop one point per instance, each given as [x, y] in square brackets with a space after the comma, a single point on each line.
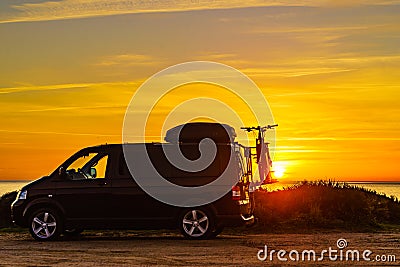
[102, 183]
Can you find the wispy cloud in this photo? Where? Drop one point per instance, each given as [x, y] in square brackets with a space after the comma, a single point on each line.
[129, 60]
[72, 108]
[292, 72]
[345, 3]
[33, 88]
[58, 133]
[304, 93]
[9, 90]
[72, 9]
[287, 68]
[352, 59]
[308, 29]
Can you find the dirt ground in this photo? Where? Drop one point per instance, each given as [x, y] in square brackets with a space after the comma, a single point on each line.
[146, 248]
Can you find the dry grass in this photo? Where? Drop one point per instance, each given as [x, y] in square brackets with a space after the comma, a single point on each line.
[325, 205]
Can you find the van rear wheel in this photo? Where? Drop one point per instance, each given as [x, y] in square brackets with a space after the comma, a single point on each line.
[197, 223]
[45, 224]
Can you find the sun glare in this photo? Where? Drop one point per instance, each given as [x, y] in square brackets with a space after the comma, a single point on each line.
[279, 171]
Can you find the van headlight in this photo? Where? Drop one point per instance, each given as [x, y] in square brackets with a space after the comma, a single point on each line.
[22, 194]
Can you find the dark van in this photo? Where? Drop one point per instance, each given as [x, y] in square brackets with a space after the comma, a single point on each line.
[94, 189]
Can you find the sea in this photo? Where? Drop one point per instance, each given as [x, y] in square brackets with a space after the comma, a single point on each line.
[388, 188]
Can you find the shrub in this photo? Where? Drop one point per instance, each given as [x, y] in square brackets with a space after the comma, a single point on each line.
[5, 209]
[325, 204]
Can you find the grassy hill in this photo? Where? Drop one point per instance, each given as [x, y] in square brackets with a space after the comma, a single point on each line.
[325, 205]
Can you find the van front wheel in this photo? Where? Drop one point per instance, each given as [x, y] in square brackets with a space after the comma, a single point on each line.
[197, 223]
[45, 224]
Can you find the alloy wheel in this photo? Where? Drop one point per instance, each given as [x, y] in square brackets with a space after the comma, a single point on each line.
[195, 223]
[44, 225]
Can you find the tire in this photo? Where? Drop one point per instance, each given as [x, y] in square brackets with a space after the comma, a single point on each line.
[72, 231]
[45, 224]
[197, 223]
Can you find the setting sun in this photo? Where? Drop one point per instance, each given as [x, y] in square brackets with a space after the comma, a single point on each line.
[279, 171]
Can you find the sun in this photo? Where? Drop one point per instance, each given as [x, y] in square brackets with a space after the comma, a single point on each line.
[279, 171]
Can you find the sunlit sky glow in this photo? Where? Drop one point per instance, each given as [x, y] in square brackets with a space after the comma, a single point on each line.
[329, 70]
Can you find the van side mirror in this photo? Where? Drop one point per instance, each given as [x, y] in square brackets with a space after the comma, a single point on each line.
[93, 172]
[62, 173]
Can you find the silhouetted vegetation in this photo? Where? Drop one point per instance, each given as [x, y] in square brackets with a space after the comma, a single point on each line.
[325, 205]
[5, 209]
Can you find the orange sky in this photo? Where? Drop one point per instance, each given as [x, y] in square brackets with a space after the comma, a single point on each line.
[329, 70]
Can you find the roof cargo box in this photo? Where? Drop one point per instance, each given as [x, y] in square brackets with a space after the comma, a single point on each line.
[194, 132]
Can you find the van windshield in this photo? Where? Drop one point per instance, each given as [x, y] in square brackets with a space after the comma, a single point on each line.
[81, 161]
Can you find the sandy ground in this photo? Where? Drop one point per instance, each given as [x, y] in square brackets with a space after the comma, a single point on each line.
[145, 248]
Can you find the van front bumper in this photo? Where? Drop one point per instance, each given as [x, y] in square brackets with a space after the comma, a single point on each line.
[17, 210]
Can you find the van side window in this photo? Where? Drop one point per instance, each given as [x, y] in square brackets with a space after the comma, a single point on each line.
[100, 167]
[88, 166]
